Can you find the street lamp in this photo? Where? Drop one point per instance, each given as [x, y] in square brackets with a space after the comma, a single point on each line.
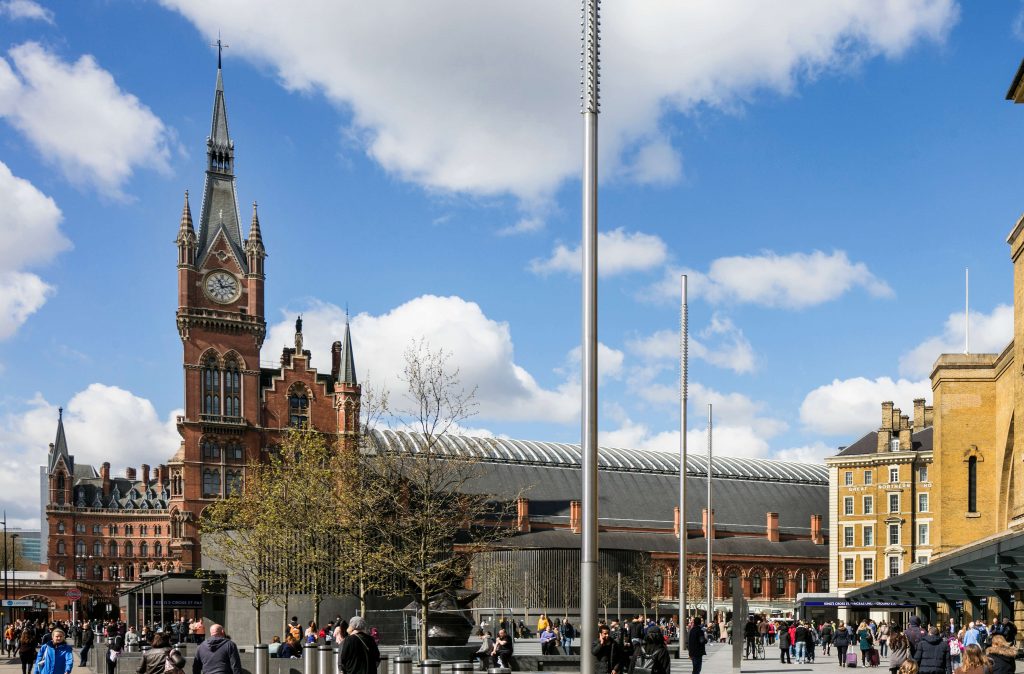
[14, 565]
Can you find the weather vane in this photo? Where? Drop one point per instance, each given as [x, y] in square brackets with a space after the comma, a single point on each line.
[220, 48]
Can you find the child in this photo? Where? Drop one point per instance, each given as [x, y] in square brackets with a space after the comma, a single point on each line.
[908, 667]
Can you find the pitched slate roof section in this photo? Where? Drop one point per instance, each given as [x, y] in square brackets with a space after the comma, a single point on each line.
[347, 371]
[60, 447]
[868, 444]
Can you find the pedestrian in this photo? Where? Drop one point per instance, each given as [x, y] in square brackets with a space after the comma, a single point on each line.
[115, 645]
[974, 661]
[750, 638]
[312, 633]
[932, 654]
[800, 641]
[55, 656]
[1009, 632]
[914, 633]
[217, 655]
[291, 648]
[695, 642]
[655, 653]
[1003, 656]
[26, 651]
[483, 654]
[155, 659]
[88, 638]
[883, 638]
[568, 634]
[841, 641]
[899, 650]
[503, 649]
[972, 636]
[826, 632]
[547, 640]
[784, 644]
[359, 652]
[865, 641]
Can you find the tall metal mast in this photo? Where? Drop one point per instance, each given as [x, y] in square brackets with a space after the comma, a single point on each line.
[710, 533]
[588, 444]
[684, 354]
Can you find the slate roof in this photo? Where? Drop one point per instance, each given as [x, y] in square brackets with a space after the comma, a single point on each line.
[124, 494]
[921, 441]
[633, 494]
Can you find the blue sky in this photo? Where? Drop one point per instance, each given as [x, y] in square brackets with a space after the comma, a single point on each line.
[824, 171]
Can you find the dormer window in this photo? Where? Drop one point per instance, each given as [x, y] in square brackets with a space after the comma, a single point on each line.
[894, 445]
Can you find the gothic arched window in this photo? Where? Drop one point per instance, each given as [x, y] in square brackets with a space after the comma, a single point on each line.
[232, 389]
[756, 584]
[211, 386]
[158, 549]
[60, 490]
[80, 548]
[112, 549]
[780, 585]
[129, 549]
[61, 548]
[97, 549]
[211, 483]
[97, 572]
[62, 570]
[234, 482]
[176, 484]
[143, 549]
[298, 406]
[211, 450]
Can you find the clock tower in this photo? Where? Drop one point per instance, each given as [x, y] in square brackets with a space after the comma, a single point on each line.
[221, 325]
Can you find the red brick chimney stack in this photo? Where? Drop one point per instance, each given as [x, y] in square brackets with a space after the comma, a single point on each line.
[675, 520]
[105, 475]
[816, 536]
[145, 474]
[575, 516]
[523, 515]
[773, 527]
[708, 528]
[129, 474]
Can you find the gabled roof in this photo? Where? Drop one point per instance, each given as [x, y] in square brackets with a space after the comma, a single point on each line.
[347, 371]
[60, 447]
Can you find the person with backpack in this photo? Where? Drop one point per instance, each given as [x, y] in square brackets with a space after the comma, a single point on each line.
[956, 649]
[826, 637]
[784, 644]
[115, 645]
[899, 650]
[655, 653]
[359, 653]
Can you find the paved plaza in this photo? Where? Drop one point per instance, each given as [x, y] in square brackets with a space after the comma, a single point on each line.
[718, 661]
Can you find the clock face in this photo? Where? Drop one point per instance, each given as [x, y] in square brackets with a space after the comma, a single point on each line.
[221, 287]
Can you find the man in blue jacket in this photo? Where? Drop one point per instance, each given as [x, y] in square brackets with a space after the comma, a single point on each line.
[217, 655]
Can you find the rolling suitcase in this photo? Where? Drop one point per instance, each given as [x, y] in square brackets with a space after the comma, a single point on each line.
[851, 659]
[873, 657]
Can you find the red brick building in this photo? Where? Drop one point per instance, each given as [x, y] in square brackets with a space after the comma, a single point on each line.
[109, 530]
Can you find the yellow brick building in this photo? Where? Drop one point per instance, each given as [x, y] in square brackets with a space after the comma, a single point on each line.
[881, 500]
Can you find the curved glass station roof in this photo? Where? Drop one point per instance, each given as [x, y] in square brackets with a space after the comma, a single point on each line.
[504, 450]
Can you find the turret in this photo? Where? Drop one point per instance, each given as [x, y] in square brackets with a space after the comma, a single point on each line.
[347, 393]
[187, 247]
[255, 253]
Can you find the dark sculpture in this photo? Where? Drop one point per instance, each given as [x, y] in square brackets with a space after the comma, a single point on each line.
[450, 620]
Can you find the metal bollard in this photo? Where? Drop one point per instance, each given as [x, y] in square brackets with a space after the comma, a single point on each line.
[430, 667]
[403, 664]
[499, 670]
[309, 660]
[463, 667]
[324, 657]
[262, 656]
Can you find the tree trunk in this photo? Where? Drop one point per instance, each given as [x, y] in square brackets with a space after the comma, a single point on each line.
[424, 617]
[259, 623]
[284, 618]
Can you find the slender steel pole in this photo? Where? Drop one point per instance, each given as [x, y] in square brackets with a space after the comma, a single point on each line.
[684, 355]
[588, 445]
[967, 310]
[710, 524]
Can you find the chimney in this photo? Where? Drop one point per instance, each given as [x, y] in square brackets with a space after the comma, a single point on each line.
[816, 536]
[928, 416]
[335, 360]
[918, 414]
[523, 515]
[906, 443]
[105, 475]
[675, 521]
[161, 474]
[887, 415]
[129, 474]
[575, 517]
[773, 527]
[145, 474]
[705, 525]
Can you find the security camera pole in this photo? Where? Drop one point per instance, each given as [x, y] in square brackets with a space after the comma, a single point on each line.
[588, 444]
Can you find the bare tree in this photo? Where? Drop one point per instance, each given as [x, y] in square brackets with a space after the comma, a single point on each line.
[430, 496]
[607, 589]
[643, 584]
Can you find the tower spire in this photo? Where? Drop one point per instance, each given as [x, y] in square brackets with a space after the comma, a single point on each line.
[347, 371]
[59, 448]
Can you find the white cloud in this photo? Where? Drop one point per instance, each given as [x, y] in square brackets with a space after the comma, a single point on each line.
[29, 228]
[793, 281]
[721, 343]
[816, 452]
[77, 116]
[618, 252]
[101, 423]
[25, 9]
[990, 333]
[609, 363]
[480, 97]
[852, 407]
[480, 347]
[655, 162]
[526, 225]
